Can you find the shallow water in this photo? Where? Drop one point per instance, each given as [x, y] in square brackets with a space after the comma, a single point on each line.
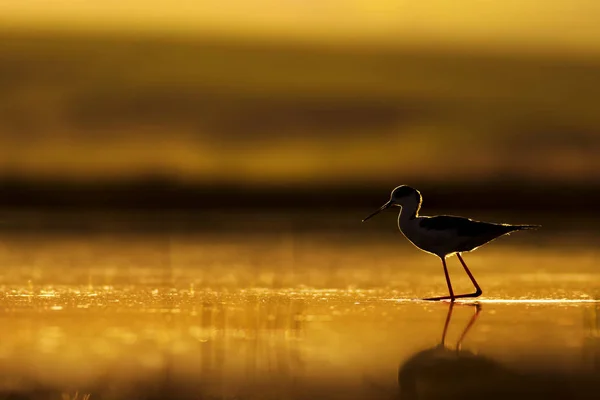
[284, 344]
[294, 313]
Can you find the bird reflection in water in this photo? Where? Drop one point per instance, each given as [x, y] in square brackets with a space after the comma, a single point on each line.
[444, 372]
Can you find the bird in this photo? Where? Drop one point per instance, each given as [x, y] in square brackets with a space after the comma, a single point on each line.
[443, 235]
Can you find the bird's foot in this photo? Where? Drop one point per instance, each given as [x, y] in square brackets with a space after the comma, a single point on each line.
[478, 293]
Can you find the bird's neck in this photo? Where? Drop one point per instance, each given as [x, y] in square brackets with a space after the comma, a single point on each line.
[408, 214]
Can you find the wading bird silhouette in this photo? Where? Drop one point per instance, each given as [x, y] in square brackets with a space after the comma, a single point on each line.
[443, 235]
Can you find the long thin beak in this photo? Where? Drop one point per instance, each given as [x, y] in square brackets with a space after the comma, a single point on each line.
[383, 207]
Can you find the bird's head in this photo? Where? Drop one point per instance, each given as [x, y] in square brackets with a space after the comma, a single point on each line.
[402, 196]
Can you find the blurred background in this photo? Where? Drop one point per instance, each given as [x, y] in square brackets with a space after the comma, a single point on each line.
[310, 104]
[182, 186]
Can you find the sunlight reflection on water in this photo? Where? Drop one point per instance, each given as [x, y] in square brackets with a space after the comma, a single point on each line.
[260, 341]
[267, 316]
[258, 338]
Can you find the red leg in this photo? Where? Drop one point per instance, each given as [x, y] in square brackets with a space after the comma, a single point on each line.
[451, 297]
[478, 290]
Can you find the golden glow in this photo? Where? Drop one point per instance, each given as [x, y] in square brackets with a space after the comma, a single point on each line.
[427, 116]
[270, 316]
[561, 24]
[288, 159]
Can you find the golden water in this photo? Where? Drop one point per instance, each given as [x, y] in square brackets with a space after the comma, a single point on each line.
[293, 314]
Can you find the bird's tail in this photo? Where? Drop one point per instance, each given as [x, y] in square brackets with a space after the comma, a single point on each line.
[519, 227]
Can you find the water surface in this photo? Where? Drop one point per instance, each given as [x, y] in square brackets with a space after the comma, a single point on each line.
[293, 312]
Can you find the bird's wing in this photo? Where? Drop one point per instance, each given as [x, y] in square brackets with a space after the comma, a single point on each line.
[462, 226]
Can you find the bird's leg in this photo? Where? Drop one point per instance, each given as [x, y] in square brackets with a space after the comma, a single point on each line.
[478, 290]
[451, 297]
[468, 327]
